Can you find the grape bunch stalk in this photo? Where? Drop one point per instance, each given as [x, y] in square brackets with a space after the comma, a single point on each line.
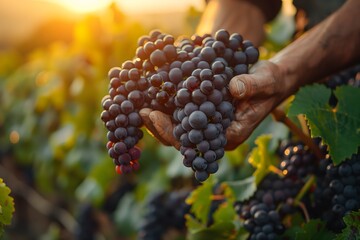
[185, 78]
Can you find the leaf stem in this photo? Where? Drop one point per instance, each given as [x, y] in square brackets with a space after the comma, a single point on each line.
[280, 116]
[217, 197]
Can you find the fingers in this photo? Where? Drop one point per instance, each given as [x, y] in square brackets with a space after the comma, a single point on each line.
[160, 126]
[164, 127]
[248, 116]
[259, 83]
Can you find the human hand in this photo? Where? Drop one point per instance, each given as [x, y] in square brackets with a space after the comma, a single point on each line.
[256, 94]
[236, 17]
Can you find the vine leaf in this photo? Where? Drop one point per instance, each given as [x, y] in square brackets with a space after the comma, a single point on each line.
[241, 189]
[339, 127]
[261, 158]
[225, 212]
[6, 205]
[352, 229]
[315, 229]
[219, 231]
[200, 201]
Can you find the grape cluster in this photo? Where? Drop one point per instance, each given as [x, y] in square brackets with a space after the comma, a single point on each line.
[297, 160]
[186, 79]
[348, 76]
[164, 211]
[263, 213]
[338, 191]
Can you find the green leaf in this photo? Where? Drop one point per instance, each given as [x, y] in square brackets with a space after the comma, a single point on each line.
[192, 224]
[218, 231]
[352, 229]
[225, 212]
[238, 155]
[200, 201]
[261, 158]
[90, 190]
[339, 127]
[241, 189]
[315, 229]
[127, 215]
[6, 205]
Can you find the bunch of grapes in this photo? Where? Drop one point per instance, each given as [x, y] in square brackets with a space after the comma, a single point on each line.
[186, 79]
[263, 213]
[349, 76]
[297, 160]
[338, 191]
[165, 210]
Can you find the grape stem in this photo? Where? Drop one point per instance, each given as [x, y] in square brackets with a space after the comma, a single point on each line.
[300, 195]
[276, 170]
[280, 116]
[305, 211]
[304, 190]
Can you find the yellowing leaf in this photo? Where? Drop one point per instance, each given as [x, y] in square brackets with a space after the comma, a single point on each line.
[261, 158]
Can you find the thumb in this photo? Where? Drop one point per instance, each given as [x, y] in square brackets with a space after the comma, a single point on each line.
[240, 86]
[260, 82]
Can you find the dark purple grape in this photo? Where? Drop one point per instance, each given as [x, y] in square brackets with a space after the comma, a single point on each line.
[183, 96]
[121, 120]
[110, 125]
[176, 75]
[127, 107]
[206, 74]
[212, 167]
[158, 58]
[208, 54]
[190, 107]
[137, 98]
[240, 69]
[198, 97]
[252, 55]
[135, 119]
[114, 72]
[222, 35]
[201, 176]
[219, 48]
[206, 87]
[114, 109]
[120, 148]
[198, 120]
[199, 164]
[195, 136]
[162, 97]
[187, 67]
[208, 108]
[203, 146]
[218, 67]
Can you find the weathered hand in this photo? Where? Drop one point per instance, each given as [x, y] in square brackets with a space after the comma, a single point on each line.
[236, 17]
[257, 94]
[160, 126]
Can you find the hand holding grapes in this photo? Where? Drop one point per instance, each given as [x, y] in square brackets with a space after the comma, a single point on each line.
[257, 94]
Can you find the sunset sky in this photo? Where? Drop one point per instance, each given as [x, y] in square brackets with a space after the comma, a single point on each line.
[129, 6]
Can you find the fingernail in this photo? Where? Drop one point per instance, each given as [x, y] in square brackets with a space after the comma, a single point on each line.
[240, 88]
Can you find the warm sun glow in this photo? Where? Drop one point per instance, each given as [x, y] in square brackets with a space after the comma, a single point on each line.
[84, 6]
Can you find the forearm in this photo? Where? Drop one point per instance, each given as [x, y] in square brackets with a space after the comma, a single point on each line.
[330, 46]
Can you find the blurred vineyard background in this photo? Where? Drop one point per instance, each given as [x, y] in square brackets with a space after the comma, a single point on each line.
[53, 75]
